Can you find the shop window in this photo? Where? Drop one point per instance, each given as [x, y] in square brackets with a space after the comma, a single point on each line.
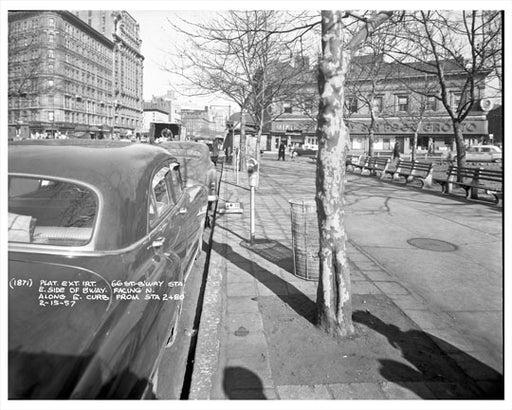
[352, 105]
[456, 100]
[430, 103]
[377, 104]
[402, 103]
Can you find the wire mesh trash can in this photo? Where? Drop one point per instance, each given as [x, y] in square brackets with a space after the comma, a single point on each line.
[305, 239]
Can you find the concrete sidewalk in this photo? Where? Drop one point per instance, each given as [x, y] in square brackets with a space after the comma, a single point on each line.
[427, 293]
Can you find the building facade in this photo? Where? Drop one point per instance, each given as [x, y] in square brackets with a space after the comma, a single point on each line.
[402, 101]
[60, 76]
[168, 103]
[128, 62]
[198, 124]
[401, 107]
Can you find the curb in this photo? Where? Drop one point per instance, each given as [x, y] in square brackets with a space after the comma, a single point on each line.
[208, 338]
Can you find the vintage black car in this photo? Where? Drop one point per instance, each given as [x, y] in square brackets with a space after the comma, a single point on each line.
[196, 165]
[101, 238]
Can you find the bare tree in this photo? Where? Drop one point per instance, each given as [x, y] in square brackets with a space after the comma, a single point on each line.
[244, 56]
[422, 91]
[334, 299]
[452, 46]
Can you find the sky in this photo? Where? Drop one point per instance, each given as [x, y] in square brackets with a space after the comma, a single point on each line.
[158, 38]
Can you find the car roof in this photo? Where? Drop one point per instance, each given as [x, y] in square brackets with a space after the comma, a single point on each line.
[84, 162]
[120, 173]
[484, 146]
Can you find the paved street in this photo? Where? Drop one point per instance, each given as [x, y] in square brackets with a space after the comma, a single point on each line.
[432, 262]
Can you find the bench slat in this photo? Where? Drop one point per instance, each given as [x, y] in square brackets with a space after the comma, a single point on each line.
[472, 180]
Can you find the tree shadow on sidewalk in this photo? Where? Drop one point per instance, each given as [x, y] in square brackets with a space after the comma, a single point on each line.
[269, 249]
[240, 383]
[292, 296]
[432, 366]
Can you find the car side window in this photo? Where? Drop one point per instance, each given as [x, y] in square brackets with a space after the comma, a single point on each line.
[160, 198]
[176, 182]
[51, 211]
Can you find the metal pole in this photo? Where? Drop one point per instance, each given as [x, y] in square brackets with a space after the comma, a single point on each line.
[237, 165]
[252, 216]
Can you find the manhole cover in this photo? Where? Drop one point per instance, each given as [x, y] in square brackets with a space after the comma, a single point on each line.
[241, 332]
[432, 244]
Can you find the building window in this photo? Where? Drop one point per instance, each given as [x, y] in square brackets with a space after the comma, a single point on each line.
[51, 54]
[430, 103]
[456, 100]
[352, 105]
[50, 83]
[377, 104]
[52, 22]
[402, 103]
[287, 107]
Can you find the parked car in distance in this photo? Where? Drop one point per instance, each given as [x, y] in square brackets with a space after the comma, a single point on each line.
[196, 165]
[483, 153]
[101, 238]
[305, 149]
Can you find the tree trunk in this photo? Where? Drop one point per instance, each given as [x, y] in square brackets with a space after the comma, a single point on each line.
[414, 145]
[459, 145]
[334, 300]
[243, 143]
[371, 140]
[371, 133]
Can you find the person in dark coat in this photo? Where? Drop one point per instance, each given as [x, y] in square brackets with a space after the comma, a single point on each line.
[282, 151]
[215, 151]
[396, 151]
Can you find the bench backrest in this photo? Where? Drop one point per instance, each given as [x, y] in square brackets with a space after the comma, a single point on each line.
[376, 162]
[475, 173]
[414, 167]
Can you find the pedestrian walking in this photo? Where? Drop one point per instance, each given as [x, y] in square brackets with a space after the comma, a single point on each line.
[282, 151]
[396, 151]
[215, 151]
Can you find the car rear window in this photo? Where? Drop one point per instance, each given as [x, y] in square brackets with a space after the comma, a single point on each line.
[51, 212]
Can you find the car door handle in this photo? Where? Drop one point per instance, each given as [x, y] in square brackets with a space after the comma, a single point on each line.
[157, 243]
[182, 211]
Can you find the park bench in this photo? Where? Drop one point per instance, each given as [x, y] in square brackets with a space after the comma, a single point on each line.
[374, 165]
[472, 180]
[413, 170]
[353, 160]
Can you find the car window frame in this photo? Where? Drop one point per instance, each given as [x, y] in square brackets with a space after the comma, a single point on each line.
[152, 202]
[175, 167]
[90, 244]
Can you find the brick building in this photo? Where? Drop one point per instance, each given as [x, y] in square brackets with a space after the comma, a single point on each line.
[124, 31]
[60, 75]
[167, 102]
[396, 103]
[199, 124]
